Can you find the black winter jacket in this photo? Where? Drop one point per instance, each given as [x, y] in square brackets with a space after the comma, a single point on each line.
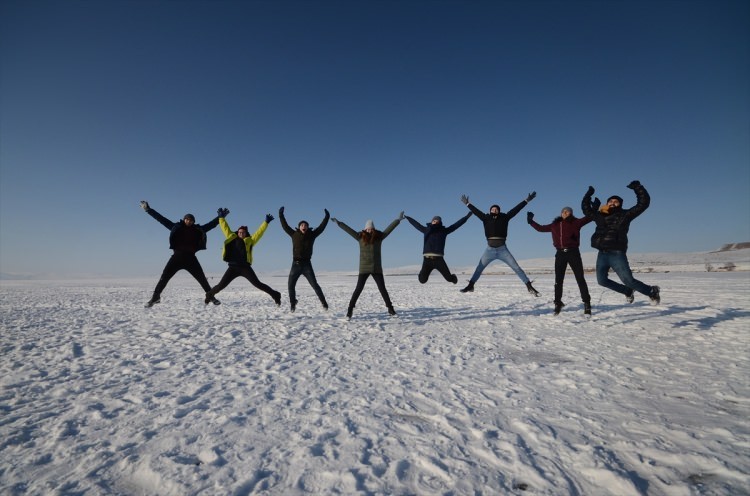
[302, 243]
[496, 226]
[612, 228]
[195, 235]
[436, 234]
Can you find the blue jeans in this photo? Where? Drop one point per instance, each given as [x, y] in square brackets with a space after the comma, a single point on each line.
[503, 254]
[618, 262]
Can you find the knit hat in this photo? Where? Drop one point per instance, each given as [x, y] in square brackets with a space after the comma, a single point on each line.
[243, 227]
[615, 197]
[568, 209]
[369, 225]
[303, 222]
[437, 218]
[189, 216]
[495, 206]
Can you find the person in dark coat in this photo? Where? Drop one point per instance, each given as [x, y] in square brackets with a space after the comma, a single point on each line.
[496, 231]
[303, 239]
[433, 250]
[186, 238]
[611, 239]
[238, 254]
[566, 238]
[370, 261]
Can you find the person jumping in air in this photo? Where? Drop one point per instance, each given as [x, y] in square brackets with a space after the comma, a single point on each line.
[186, 238]
[611, 239]
[370, 262]
[302, 249]
[238, 254]
[433, 250]
[566, 237]
[496, 231]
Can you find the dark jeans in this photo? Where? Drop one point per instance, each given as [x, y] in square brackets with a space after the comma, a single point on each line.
[618, 261]
[431, 263]
[304, 268]
[246, 271]
[570, 257]
[177, 262]
[379, 280]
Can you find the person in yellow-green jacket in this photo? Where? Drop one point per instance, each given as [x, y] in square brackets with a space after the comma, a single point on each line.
[238, 254]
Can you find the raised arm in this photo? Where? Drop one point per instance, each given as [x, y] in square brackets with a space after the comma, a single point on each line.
[319, 230]
[419, 227]
[156, 215]
[460, 222]
[388, 230]
[284, 225]
[351, 232]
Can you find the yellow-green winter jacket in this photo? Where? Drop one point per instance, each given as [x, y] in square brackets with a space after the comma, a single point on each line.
[238, 251]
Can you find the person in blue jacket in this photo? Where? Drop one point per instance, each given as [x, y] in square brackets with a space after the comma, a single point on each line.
[186, 238]
[433, 250]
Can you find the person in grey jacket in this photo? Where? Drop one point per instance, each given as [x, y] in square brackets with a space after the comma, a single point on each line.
[433, 250]
[370, 262]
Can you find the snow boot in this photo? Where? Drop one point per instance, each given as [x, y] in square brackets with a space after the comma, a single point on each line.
[293, 304]
[276, 298]
[587, 308]
[558, 307]
[532, 290]
[655, 296]
[469, 288]
[454, 279]
[391, 311]
[349, 312]
[153, 301]
[630, 297]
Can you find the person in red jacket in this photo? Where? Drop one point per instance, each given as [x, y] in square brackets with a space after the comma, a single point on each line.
[566, 237]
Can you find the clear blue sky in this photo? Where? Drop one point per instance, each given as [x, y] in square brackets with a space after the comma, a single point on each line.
[366, 108]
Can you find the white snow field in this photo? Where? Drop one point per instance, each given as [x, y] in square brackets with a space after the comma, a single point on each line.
[482, 393]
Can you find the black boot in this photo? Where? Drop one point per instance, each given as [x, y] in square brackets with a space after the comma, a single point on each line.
[558, 307]
[586, 308]
[153, 301]
[532, 290]
[349, 312]
[469, 288]
[391, 311]
[276, 298]
[655, 296]
[293, 304]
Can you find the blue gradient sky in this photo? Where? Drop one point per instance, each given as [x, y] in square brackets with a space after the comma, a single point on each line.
[366, 108]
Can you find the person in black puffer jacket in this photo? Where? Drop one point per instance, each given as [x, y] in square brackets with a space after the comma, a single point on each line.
[186, 238]
[611, 239]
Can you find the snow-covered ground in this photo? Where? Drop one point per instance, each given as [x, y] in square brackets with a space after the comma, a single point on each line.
[483, 393]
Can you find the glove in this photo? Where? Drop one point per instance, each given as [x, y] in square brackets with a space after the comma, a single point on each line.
[464, 199]
[144, 205]
[269, 218]
[401, 215]
[223, 212]
[590, 191]
[529, 217]
[335, 220]
[596, 203]
[281, 211]
[327, 212]
[634, 184]
[531, 196]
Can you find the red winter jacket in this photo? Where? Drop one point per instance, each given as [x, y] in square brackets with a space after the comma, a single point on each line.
[565, 233]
